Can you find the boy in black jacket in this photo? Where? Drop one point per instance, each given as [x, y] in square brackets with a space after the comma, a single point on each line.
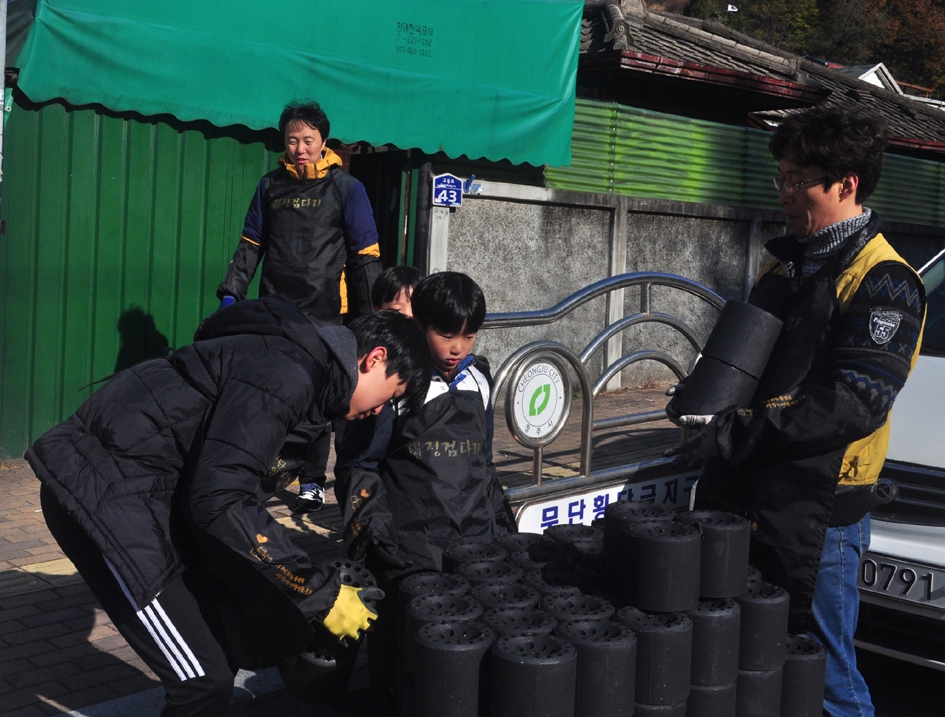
[409, 485]
[155, 489]
[434, 481]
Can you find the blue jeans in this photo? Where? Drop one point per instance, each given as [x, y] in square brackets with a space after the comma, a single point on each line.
[833, 619]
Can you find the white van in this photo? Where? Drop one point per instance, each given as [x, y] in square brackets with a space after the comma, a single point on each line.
[902, 576]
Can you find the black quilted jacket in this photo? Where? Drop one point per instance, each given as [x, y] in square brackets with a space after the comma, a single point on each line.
[163, 465]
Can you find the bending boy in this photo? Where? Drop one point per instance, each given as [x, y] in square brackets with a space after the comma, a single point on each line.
[155, 489]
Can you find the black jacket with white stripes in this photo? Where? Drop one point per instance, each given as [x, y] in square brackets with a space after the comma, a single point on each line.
[163, 466]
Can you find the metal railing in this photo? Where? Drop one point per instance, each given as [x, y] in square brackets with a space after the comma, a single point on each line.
[513, 368]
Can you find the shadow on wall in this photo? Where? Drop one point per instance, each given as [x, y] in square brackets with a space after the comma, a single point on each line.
[140, 339]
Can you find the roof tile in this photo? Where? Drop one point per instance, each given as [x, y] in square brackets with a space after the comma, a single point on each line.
[713, 45]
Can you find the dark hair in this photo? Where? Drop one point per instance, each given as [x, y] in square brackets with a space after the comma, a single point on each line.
[839, 140]
[449, 302]
[308, 112]
[408, 354]
[391, 282]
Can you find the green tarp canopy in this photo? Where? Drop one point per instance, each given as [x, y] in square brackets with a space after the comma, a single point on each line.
[481, 78]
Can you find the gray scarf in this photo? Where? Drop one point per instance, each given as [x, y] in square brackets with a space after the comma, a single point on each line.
[823, 244]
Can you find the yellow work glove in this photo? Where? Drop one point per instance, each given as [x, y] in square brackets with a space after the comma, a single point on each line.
[350, 614]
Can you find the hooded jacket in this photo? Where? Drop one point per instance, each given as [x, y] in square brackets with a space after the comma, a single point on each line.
[313, 229]
[162, 466]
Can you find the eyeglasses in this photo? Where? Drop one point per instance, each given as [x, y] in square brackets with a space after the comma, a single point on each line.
[782, 185]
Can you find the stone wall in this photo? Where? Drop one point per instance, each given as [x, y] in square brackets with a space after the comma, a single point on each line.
[530, 248]
[527, 257]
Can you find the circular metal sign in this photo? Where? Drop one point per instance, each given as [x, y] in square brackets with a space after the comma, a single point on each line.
[540, 401]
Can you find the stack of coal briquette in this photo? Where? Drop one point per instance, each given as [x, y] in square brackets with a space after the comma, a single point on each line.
[646, 612]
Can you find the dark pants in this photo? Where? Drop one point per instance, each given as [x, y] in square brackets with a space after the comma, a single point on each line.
[317, 459]
[178, 634]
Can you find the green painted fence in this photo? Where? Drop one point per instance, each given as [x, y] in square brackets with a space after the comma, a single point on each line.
[639, 153]
[118, 231]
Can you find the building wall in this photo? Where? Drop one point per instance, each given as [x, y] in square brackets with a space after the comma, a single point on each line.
[530, 256]
[530, 248]
[641, 153]
[118, 231]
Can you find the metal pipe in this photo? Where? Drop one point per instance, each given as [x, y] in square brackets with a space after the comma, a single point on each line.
[514, 365]
[635, 319]
[633, 419]
[599, 288]
[660, 356]
[404, 239]
[421, 233]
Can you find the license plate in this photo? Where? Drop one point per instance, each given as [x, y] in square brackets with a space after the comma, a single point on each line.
[902, 580]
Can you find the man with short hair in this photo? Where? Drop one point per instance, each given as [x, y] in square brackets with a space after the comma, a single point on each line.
[312, 226]
[156, 488]
[801, 462]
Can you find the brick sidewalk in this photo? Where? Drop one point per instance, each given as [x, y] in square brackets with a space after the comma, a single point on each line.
[59, 651]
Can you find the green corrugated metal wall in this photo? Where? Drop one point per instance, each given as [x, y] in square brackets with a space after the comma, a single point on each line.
[624, 150]
[639, 153]
[911, 191]
[104, 215]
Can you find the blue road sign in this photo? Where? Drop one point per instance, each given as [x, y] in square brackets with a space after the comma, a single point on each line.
[447, 191]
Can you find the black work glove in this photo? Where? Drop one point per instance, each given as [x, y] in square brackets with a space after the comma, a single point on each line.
[700, 445]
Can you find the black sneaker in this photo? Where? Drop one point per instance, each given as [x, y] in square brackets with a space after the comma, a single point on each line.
[311, 498]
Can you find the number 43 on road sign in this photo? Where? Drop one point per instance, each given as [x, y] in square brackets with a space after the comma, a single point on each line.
[447, 191]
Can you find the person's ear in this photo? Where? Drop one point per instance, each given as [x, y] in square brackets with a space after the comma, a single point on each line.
[373, 357]
[848, 187]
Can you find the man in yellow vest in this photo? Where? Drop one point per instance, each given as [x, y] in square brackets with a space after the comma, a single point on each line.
[311, 225]
[801, 462]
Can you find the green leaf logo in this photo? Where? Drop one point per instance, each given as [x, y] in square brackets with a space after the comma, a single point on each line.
[542, 394]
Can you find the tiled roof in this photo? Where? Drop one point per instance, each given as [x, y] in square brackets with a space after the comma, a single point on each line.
[629, 28]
